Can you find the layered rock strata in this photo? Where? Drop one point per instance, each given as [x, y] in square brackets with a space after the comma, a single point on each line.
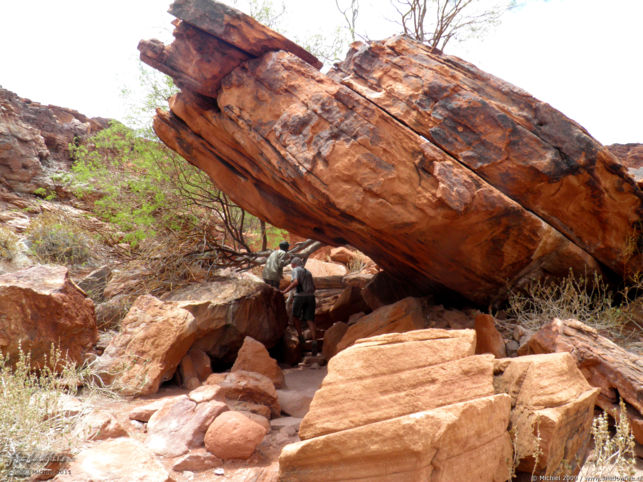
[418, 405]
[449, 186]
[35, 137]
[422, 406]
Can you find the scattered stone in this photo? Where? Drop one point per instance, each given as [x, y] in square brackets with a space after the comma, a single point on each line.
[113, 460]
[179, 426]
[405, 315]
[348, 303]
[294, 402]
[232, 435]
[332, 337]
[257, 408]
[95, 282]
[196, 460]
[142, 413]
[205, 393]
[99, 425]
[251, 387]
[195, 368]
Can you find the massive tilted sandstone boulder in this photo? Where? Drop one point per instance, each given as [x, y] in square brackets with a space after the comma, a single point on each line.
[617, 372]
[154, 337]
[41, 307]
[442, 174]
[228, 310]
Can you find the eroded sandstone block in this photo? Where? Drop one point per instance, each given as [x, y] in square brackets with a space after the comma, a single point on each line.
[552, 411]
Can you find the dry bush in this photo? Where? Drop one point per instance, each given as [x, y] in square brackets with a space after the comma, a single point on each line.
[35, 428]
[33, 431]
[52, 238]
[585, 298]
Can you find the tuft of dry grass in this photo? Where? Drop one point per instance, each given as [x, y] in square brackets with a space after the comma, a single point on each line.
[8, 244]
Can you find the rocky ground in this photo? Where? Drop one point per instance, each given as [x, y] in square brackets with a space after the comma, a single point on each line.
[263, 465]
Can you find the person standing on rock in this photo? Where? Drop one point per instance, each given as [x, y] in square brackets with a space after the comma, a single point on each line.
[303, 307]
[273, 270]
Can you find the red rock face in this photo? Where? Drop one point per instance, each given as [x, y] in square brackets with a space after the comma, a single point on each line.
[442, 174]
[33, 136]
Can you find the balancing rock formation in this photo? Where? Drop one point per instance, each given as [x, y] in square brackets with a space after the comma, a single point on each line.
[444, 175]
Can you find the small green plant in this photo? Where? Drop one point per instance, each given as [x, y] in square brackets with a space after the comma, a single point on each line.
[8, 244]
[45, 194]
[613, 455]
[52, 239]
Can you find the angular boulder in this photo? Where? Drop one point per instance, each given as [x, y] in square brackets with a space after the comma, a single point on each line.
[154, 337]
[425, 196]
[253, 357]
[617, 372]
[405, 315]
[488, 338]
[552, 412]
[41, 307]
[241, 386]
[462, 441]
[228, 310]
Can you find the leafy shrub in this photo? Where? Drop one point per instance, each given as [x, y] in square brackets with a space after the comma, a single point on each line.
[52, 239]
[131, 175]
[8, 244]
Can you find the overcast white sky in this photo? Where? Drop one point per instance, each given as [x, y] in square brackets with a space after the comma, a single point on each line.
[582, 56]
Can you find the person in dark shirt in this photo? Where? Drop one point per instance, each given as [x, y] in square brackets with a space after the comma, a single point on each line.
[303, 307]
